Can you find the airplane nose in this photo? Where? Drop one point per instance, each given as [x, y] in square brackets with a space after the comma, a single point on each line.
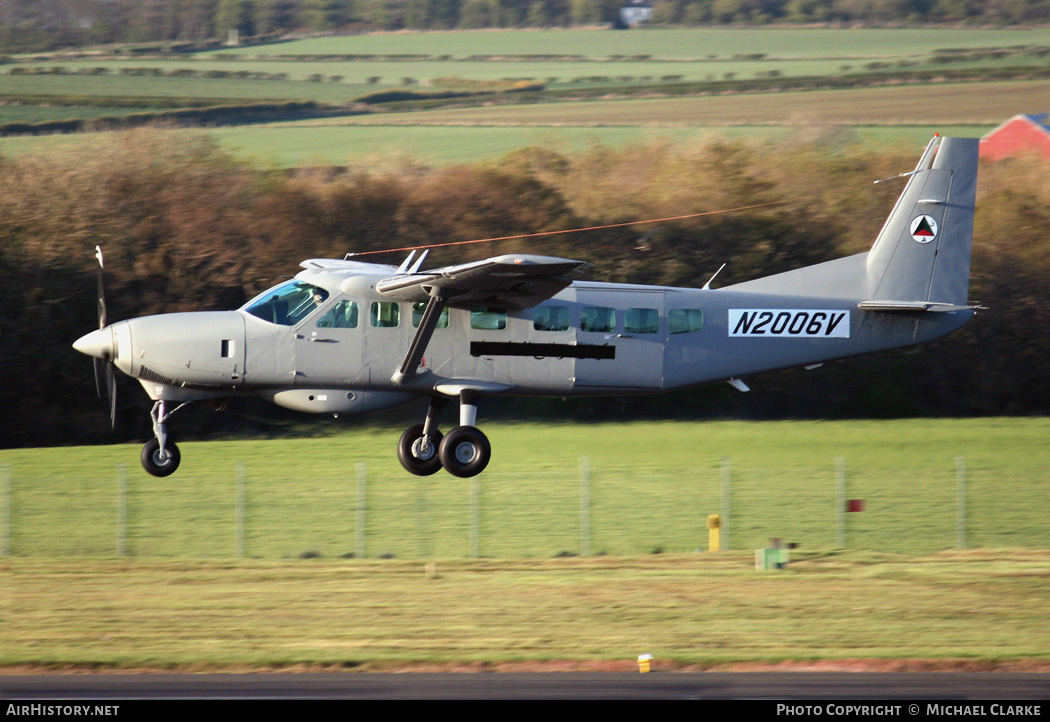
[97, 343]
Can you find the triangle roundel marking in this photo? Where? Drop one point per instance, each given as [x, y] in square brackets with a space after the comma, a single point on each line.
[924, 228]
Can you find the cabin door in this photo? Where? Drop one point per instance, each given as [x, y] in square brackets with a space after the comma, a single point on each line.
[620, 337]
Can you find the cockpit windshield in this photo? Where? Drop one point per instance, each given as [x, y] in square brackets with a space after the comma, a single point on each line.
[287, 304]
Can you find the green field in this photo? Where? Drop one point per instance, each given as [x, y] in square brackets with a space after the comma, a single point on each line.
[880, 116]
[701, 54]
[353, 76]
[222, 89]
[652, 487]
[949, 103]
[305, 599]
[387, 147]
[391, 146]
[692, 43]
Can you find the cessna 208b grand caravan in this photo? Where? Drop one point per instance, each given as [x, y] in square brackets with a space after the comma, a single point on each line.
[347, 337]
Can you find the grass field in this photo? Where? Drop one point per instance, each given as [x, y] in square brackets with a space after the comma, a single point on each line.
[117, 86]
[700, 54]
[955, 103]
[183, 602]
[879, 115]
[353, 76]
[386, 146]
[662, 42]
[974, 610]
[652, 486]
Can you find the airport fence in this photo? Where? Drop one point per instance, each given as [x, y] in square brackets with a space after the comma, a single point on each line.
[590, 510]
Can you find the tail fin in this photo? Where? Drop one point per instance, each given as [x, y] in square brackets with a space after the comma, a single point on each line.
[921, 257]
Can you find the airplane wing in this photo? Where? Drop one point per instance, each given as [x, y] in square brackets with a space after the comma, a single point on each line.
[509, 281]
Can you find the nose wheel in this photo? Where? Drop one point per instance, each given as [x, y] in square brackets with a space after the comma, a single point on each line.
[160, 455]
[160, 463]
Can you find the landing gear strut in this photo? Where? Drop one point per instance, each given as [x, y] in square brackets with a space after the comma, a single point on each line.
[464, 451]
[160, 456]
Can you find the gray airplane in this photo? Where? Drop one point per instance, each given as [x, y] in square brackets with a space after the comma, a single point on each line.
[347, 337]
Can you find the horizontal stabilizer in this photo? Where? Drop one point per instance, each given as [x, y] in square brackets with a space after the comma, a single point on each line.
[903, 306]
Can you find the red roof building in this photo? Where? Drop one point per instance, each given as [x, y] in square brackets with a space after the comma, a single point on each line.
[1021, 134]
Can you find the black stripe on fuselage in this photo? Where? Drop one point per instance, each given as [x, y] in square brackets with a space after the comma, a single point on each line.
[540, 350]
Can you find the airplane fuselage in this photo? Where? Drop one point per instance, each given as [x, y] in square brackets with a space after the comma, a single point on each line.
[590, 338]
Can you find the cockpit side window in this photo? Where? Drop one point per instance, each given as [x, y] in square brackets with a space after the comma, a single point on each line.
[341, 315]
[288, 304]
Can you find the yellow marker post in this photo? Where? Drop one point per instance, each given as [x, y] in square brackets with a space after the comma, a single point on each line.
[643, 662]
[714, 528]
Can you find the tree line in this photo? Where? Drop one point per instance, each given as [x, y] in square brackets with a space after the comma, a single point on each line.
[184, 226]
[38, 25]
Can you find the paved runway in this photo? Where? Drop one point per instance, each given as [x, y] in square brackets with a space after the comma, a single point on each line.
[594, 686]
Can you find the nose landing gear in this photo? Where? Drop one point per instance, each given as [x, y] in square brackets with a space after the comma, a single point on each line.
[160, 456]
[463, 452]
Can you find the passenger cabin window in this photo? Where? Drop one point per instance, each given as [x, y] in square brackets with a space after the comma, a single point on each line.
[685, 320]
[288, 304]
[641, 320]
[385, 314]
[551, 318]
[488, 319]
[598, 319]
[341, 315]
[418, 309]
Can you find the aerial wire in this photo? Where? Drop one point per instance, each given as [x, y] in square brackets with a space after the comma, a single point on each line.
[590, 228]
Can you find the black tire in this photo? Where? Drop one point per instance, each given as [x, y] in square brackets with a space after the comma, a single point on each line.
[152, 462]
[465, 451]
[409, 456]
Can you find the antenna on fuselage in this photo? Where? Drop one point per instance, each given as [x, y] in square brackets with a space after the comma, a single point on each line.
[707, 286]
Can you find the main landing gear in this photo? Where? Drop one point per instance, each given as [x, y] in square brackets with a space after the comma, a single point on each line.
[464, 451]
[160, 456]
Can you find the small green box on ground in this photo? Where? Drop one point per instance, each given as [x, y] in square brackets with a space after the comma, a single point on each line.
[771, 558]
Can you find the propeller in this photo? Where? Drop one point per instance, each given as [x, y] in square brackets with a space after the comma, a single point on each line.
[103, 362]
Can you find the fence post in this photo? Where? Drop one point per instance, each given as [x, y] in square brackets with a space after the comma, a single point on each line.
[362, 483]
[5, 510]
[727, 483]
[239, 516]
[122, 510]
[585, 506]
[960, 507]
[840, 502]
[475, 517]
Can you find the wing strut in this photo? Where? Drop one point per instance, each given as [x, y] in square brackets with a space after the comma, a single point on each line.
[407, 370]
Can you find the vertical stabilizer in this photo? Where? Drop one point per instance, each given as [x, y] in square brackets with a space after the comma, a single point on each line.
[922, 254]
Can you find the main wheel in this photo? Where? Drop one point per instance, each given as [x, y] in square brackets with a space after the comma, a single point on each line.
[465, 451]
[416, 456]
[157, 466]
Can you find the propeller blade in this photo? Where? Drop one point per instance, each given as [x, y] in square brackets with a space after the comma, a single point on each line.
[111, 387]
[98, 376]
[101, 290]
